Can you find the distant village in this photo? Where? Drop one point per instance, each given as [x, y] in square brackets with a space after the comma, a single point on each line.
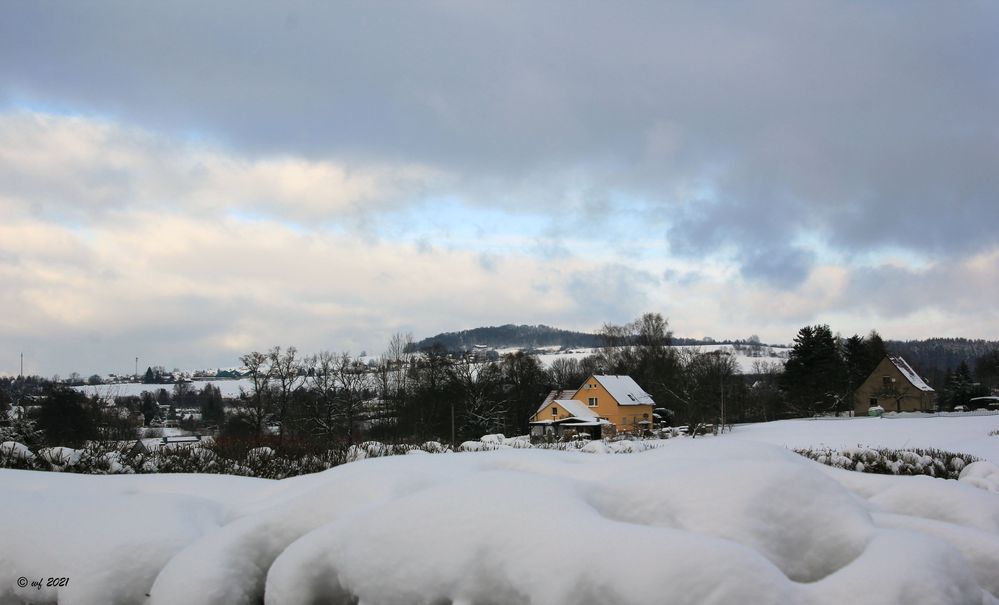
[638, 384]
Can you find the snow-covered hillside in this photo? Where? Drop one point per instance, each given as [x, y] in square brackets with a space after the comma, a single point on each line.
[230, 389]
[744, 358]
[546, 355]
[722, 519]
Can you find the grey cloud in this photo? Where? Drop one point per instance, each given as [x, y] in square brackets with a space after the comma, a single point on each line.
[487, 262]
[615, 292]
[779, 265]
[865, 118]
[964, 288]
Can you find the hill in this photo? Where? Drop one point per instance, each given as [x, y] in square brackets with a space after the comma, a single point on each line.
[526, 337]
[510, 335]
[935, 356]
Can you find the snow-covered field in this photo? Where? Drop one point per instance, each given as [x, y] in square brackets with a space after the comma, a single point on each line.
[230, 388]
[967, 434]
[730, 519]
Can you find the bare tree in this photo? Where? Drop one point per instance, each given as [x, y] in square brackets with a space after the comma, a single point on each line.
[484, 408]
[339, 384]
[705, 382]
[353, 382]
[565, 372]
[396, 359]
[285, 376]
[257, 367]
[320, 412]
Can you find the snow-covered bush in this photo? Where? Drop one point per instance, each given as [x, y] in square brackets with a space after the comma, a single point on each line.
[290, 459]
[16, 455]
[885, 461]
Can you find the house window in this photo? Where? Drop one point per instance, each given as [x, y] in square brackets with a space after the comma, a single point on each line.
[873, 402]
[554, 411]
[886, 380]
[645, 416]
[592, 401]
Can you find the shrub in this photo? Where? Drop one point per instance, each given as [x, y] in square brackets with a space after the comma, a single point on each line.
[885, 461]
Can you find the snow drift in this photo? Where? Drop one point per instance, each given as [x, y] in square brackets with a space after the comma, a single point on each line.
[699, 521]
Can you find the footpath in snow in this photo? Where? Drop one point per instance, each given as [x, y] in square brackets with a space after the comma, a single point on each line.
[714, 520]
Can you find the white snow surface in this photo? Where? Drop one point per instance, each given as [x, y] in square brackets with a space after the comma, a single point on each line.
[961, 434]
[711, 520]
[229, 388]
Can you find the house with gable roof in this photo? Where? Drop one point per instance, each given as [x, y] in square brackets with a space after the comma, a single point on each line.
[896, 387]
[602, 406]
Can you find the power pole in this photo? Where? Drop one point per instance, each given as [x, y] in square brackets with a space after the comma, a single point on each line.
[721, 386]
[22, 365]
[136, 367]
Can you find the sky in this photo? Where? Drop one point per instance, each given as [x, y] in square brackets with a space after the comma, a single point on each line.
[186, 182]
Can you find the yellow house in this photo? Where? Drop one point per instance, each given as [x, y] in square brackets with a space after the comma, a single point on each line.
[895, 387]
[605, 402]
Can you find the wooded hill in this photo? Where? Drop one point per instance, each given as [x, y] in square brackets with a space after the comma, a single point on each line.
[521, 337]
[509, 335]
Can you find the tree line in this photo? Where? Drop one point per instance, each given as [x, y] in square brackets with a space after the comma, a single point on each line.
[409, 395]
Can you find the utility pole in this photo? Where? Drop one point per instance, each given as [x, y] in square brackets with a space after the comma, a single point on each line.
[22, 365]
[721, 386]
[136, 367]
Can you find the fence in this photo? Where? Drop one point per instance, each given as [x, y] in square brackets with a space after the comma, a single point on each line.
[940, 414]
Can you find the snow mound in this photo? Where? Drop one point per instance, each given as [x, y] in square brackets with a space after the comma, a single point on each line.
[981, 474]
[15, 451]
[693, 522]
[60, 457]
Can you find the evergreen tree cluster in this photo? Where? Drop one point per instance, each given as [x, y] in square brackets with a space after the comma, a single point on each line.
[823, 370]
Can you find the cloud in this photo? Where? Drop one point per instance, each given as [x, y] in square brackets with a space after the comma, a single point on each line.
[841, 120]
[771, 160]
[177, 290]
[958, 287]
[80, 169]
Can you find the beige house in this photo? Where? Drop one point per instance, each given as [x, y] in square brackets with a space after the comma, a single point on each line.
[602, 406]
[896, 387]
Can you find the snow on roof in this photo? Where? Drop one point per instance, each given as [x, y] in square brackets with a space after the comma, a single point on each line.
[580, 422]
[909, 373]
[180, 439]
[624, 389]
[576, 408]
[552, 396]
